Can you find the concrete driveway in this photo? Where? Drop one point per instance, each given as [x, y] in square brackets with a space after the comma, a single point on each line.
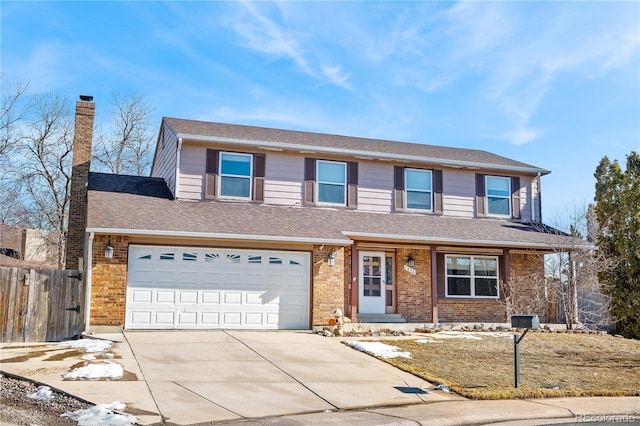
[207, 376]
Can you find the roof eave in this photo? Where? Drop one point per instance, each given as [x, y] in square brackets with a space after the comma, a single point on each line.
[220, 236]
[465, 242]
[360, 153]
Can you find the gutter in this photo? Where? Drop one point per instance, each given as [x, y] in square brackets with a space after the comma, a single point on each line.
[215, 235]
[431, 240]
[360, 153]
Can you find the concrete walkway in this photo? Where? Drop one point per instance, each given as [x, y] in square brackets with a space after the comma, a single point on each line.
[286, 378]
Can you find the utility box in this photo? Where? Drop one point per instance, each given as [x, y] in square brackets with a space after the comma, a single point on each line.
[525, 321]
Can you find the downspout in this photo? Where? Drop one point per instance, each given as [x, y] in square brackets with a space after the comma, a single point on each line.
[87, 290]
[176, 192]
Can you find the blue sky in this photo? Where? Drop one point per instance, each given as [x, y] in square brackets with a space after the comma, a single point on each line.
[553, 84]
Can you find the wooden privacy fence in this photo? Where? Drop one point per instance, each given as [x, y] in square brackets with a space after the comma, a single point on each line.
[39, 305]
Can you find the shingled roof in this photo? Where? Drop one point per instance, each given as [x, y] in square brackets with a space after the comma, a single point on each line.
[114, 207]
[202, 130]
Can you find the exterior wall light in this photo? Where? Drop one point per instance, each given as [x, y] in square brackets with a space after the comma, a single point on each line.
[331, 258]
[108, 251]
[411, 261]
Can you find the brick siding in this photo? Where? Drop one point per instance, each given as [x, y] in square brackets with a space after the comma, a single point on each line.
[413, 292]
[328, 283]
[109, 281]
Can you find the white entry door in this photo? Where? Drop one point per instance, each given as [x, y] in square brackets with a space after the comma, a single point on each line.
[371, 297]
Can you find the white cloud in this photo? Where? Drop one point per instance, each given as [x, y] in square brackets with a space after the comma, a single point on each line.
[337, 77]
[264, 35]
[522, 136]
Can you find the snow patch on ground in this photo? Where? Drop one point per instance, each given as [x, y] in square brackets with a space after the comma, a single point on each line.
[109, 369]
[428, 341]
[42, 393]
[379, 349]
[88, 357]
[88, 345]
[102, 414]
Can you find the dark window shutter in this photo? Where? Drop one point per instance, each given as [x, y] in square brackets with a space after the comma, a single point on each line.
[308, 195]
[211, 174]
[259, 166]
[437, 191]
[398, 188]
[352, 185]
[441, 274]
[480, 195]
[515, 197]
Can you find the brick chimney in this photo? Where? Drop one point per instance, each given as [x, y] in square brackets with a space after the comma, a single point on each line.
[82, 140]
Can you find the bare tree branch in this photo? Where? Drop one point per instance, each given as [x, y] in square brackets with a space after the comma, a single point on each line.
[126, 146]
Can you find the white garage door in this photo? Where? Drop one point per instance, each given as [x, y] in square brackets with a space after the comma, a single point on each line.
[203, 288]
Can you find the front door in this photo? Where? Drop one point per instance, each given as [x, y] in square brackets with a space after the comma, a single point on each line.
[371, 283]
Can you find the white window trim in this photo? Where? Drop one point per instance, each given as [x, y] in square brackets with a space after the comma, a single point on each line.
[406, 190]
[486, 196]
[318, 182]
[228, 197]
[472, 277]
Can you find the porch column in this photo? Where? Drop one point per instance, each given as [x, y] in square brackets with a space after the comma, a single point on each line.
[506, 273]
[353, 277]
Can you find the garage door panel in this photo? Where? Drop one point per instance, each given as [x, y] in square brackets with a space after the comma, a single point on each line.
[141, 319]
[141, 296]
[231, 318]
[210, 318]
[191, 288]
[253, 318]
[164, 318]
[210, 297]
[232, 297]
[190, 297]
[165, 296]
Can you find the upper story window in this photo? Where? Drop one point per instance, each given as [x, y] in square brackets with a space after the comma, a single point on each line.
[418, 188]
[498, 195]
[235, 175]
[472, 276]
[331, 182]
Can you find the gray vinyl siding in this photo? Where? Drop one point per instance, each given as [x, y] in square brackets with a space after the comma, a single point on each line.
[283, 179]
[375, 186]
[164, 162]
[528, 189]
[192, 167]
[458, 193]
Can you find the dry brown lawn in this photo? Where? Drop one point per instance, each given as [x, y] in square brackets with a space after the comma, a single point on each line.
[551, 365]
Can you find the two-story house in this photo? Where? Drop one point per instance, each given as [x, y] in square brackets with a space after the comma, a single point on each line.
[260, 228]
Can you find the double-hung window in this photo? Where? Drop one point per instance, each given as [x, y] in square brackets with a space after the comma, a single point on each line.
[418, 189]
[472, 276]
[498, 196]
[331, 182]
[235, 175]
